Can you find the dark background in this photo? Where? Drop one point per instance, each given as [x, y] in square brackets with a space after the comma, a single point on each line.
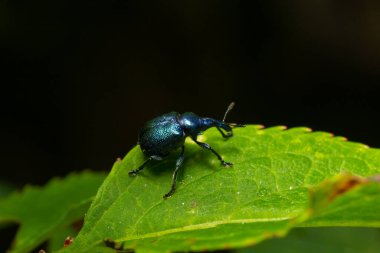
[79, 78]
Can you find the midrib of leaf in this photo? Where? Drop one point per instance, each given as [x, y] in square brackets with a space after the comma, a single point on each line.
[205, 225]
[197, 227]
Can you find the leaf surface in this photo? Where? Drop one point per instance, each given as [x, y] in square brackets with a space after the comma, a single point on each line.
[40, 211]
[280, 178]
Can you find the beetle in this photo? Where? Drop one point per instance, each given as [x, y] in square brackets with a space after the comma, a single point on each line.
[168, 132]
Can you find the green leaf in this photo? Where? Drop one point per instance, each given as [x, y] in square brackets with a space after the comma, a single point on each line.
[264, 194]
[317, 240]
[359, 205]
[41, 211]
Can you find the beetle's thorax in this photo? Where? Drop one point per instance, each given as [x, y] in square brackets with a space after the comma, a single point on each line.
[193, 124]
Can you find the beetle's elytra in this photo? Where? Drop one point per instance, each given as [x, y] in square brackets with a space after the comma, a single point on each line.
[168, 132]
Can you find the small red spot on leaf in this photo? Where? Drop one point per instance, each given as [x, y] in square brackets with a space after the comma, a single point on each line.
[69, 240]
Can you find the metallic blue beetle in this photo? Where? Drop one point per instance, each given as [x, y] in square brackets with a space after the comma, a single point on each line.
[168, 132]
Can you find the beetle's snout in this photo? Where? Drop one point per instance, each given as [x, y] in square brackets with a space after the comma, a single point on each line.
[207, 123]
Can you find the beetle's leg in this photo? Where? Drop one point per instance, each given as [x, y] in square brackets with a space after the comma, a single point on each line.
[220, 125]
[134, 172]
[225, 135]
[226, 127]
[206, 146]
[175, 174]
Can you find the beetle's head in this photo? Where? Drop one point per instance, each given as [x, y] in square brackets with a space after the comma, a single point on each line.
[194, 125]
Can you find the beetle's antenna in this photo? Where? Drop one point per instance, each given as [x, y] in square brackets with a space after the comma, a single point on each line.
[228, 110]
